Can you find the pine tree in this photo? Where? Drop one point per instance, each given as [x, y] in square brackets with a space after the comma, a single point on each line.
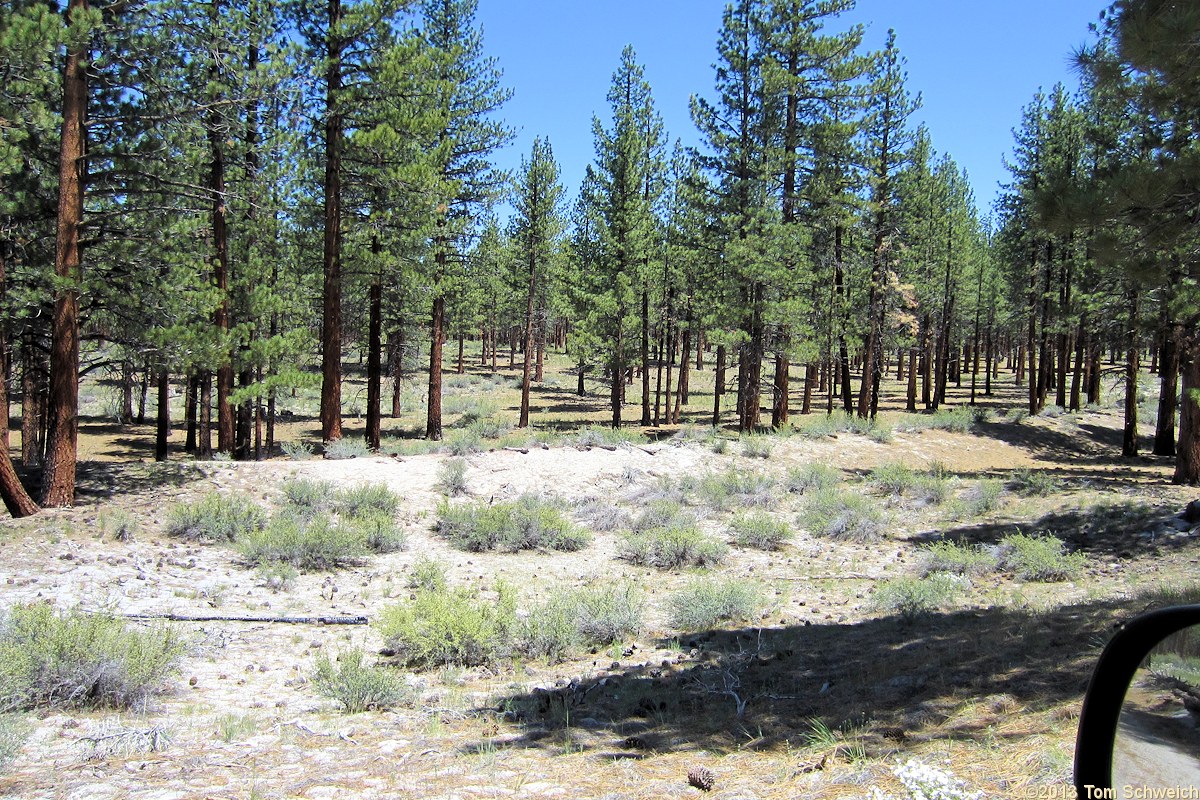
[536, 228]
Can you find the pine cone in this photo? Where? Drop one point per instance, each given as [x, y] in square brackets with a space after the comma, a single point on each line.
[702, 778]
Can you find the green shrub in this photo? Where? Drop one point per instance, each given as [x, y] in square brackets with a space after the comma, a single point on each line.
[309, 497]
[216, 518]
[548, 632]
[742, 488]
[979, 499]
[601, 515]
[705, 603]
[528, 523]
[379, 532]
[756, 446]
[346, 447]
[1034, 483]
[1038, 558]
[962, 419]
[367, 500]
[759, 530]
[893, 478]
[14, 730]
[490, 428]
[75, 659]
[957, 559]
[451, 626]
[356, 685]
[278, 577]
[671, 548]
[427, 574]
[316, 544]
[932, 489]
[911, 597]
[662, 514]
[842, 515]
[452, 477]
[462, 443]
[119, 524]
[813, 475]
[296, 451]
[605, 614]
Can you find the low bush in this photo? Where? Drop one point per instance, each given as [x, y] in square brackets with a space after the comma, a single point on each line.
[313, 544]
[605, 614]
[528, 523]
[842, 515]
[1034, 483]
[705, 603]
[671, 548]
[756, 446]
[957, 559]
[450, 626]
[428, 574]
[601, 515]
[452, 477]
[379, 532]
[346, 447]
[367, 500]
[813, 475]
[462, 443]
[742, 488]
[308, 496]
[962, 419]
[296, 451]
[356, 685]
[79, 660]
[547, 632]
[981, 498]
[119, 524]
[893, 478]
[662, 514]
[911, 597]
[760, 531]
[1038, 558]
[14, 730]
[216, 518]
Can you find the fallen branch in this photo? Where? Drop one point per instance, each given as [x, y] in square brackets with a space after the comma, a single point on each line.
[521, 450]
[250, 618]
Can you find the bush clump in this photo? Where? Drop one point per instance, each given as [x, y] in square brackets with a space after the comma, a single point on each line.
[427, 574]
[313, 544]
[1038, 558]
[743, 488]
[756, 446]
[956, 559]
[812, 475]
[79, 660]
[528, 523]
[450, 626]
[14, 730]
[309, 497]
[842, 515]
[216, 518]
[356, 685]
[366, 500]
[893, 478]
[981, 498]
[452, 477]
[705, 603]
[605, 614]
[1034, 483]
[910, 597]
[379, 532]
[760, 531]
[662, 514]
[671, 548]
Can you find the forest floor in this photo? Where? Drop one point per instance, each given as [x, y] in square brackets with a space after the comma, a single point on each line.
[821, 696]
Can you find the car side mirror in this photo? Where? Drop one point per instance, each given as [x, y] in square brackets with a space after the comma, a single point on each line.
[1138, 726]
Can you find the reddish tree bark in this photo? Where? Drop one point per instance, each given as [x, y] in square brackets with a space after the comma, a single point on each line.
[12, 492]
[331, 327]
[62, 434]
[1187, 454]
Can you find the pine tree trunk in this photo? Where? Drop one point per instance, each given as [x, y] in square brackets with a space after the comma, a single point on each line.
[433, 415]
[617, 369]
[910, 403]
[779, 409]
[220, 258]
[579, 387]
[645, 354]
[540, 339]
[1187, 455]
[1129, 439]
[32, 403]
[331, 313]
[62, 431]
[1164, 434]
[374, 362]
[12, 492]
[527, 366]
[718, 385]
[685, 361]
[462, 344]
[162, 430]
[126, 412]
[811, 377]
[204, 442]
[189, 415]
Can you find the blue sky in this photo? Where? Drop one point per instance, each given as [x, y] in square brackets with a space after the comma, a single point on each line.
[975, 63]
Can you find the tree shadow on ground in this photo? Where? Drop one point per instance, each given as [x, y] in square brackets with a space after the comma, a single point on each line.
[1092, 445]
[953, 675]
[102, 480]
[1111, 529]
